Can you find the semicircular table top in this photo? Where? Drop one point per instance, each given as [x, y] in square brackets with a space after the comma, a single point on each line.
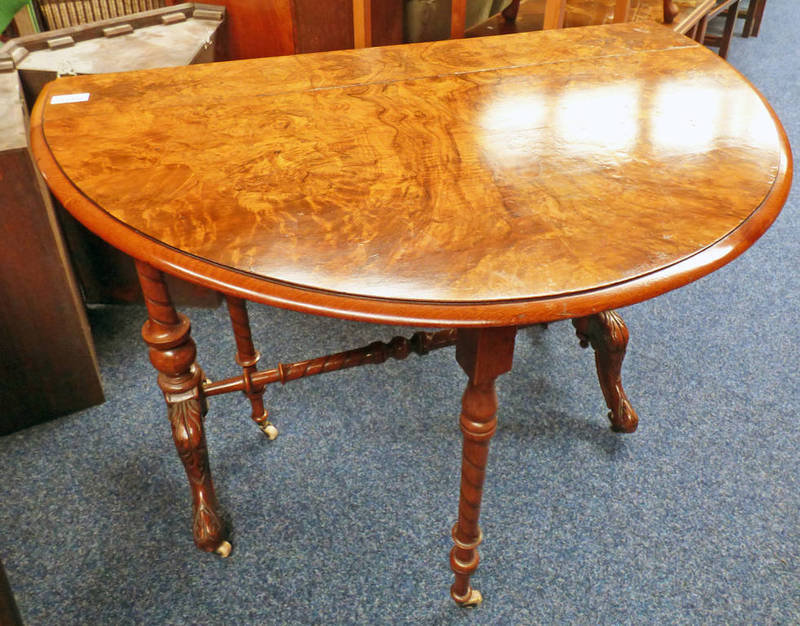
[492, 181]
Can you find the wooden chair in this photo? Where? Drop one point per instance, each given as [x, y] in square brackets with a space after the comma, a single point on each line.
[682, 17]
[752, 17]
[66, 13]
[688, 17]
[731, 9]
[697, 14]
[553, 17]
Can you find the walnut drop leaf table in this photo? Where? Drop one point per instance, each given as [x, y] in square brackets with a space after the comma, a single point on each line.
[475, 185]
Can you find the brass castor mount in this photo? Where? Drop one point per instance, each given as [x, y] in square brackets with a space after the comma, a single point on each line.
[472, 598]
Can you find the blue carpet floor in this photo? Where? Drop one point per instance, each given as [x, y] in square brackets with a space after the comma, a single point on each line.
[345, 518]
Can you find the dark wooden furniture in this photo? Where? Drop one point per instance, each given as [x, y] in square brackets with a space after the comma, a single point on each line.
[259, 29]
[688, 17]
[9, 613]
[753, 17]
[127, 42]
[730, 9]
[124, 43]
[47, 361]
[476, 184]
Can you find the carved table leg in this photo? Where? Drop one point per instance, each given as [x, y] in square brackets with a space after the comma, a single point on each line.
[247, 357]
[608, 335]
[172, 353]
[483, 355]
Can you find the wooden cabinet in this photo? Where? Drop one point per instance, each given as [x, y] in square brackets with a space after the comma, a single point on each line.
[259, 29]
[47, 362]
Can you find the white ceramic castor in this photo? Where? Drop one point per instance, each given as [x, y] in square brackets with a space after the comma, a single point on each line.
[224, 549]
[270, 431]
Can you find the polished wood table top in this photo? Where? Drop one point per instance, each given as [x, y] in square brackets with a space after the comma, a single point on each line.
[482, 184]
[534, 176]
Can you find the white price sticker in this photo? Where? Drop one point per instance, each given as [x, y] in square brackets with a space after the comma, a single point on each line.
[69, 97]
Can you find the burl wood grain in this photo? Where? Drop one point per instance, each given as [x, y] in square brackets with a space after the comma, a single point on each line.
[537, 176]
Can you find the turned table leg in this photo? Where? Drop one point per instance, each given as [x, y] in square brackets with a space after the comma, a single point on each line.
[172, 353]
[483, 354]
[608, 336]
[247, 357]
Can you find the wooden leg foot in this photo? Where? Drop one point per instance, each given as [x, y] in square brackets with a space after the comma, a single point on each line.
[608, 335]
[461, 591]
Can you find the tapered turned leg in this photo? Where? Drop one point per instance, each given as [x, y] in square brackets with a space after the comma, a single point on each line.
[484, 355]
[608, 335]
[172, 353]
[247, 357]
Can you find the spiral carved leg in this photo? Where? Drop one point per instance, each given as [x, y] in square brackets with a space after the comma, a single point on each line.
[608, 336]
[173, 353]
[247, 357]
[484, 355]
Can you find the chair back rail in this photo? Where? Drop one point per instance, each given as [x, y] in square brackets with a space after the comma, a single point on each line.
[64, 13]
